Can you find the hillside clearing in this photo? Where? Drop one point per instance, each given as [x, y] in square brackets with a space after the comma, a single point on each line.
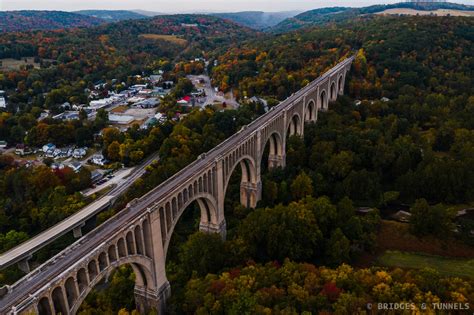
[439, 12]
[169, 38]
[445, 266]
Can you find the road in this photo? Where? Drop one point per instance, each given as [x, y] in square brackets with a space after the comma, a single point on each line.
[211, 95]
[93, 240]
[26, 249]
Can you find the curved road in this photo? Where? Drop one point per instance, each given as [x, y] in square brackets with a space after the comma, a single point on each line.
[26, 249]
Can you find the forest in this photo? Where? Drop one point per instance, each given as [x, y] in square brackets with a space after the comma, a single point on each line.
[402, 136]
[293, 254]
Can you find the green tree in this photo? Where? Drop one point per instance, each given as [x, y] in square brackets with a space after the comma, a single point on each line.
[301, 186]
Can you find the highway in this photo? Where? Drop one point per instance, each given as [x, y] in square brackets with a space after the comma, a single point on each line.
[29, 247]
[87, 244]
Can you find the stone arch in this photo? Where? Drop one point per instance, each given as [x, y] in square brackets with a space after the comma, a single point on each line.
[209, 215]
[44, 308]
[323, 100]
[333, 91]
[174, 208]
[311, 112]
[122, 249]
[112, 251]
[71, 291]
[168, 217]
[82, 281]
[130, 243]
[147, 238]
[142, 267]
[139, 240]
[59, 302]
[204, 180]
[92, 269]
[340, 84]
[276, 153]
[294, 125]
[249, 184]
[102, 261]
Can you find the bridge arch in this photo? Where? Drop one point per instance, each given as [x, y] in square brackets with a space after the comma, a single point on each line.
[323, 100]
[294, 125]
[249, 190]
[142, 267]
[311, 111]
[276, 151]
[340, 84]
[333, 92]
[209, 216]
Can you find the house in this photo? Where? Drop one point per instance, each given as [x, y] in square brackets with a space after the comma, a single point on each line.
[145, 92]
[99, 159]
[138, 87]
[22, 150]
[79, 153]
[185, 101]
[385, 99]
[161, 118]
[148, 103]
[168, 84]
[75, 166]
[3, 103]
[96, 175]
[120, 119]
[156, 78]
[3, 144]
[48, 147]
[57, 166]
[357, 102]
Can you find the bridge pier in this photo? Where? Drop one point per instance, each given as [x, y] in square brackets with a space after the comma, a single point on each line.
[219, 228]
[250, 194]
[275, 161]
[147, 299]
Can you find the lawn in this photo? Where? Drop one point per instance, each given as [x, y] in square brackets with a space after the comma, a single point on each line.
[445, 266]
[169, 38]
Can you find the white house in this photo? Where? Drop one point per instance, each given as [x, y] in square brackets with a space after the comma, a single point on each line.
[99, 159]
[79, 153]
[3, 103]
[48, 147]
[75, 166]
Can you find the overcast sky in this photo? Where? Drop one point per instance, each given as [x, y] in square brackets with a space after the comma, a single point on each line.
[175, 6]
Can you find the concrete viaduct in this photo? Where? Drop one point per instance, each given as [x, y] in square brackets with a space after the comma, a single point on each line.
[140, 234]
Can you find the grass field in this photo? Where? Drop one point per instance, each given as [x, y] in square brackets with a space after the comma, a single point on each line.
[169, 38]
[440, 12]
[445, 266]
[15, 64]
[119, 109]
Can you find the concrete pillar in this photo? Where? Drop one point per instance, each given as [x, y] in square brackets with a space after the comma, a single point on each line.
[77, 231]
[250, 193]
[275, 160]
[218, 228]
[148, 300]
[220, 225]
[155, 294]
[24, 266]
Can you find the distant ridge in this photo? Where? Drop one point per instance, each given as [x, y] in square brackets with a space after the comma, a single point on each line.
[257, 19]
[113, 15]
[338, 14]
[15, 21]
